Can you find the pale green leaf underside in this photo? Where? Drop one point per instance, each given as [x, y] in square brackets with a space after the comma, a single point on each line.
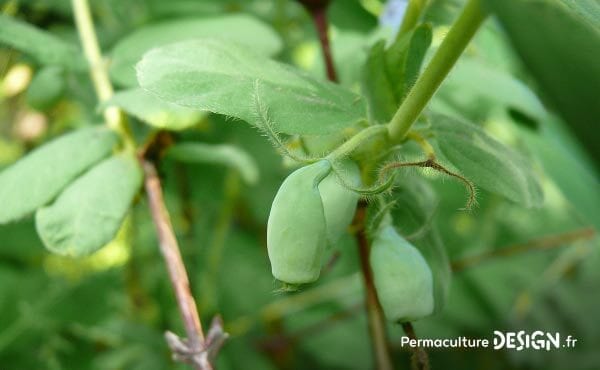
[37, 178]
[41, 45]
[502, 88]
[222, 154]
[229, 79]
[486, 162]
[154, 111]
[89, 213]
[240, 28]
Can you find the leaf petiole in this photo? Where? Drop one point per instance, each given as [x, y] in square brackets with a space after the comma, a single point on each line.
[357, 140]
[423, 143]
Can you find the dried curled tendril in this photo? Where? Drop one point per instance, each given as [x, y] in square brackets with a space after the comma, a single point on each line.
[433, 164]
[366, 192]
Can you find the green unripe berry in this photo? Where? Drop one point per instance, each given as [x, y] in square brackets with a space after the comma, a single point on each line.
[339, 202]
[296, 229]
[403, 280]
[311, 209]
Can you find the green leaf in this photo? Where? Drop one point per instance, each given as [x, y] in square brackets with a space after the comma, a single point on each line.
[558, 42]
[389, 73]
[154, 111]
[41, 45]
[377, 87]
[432, 247]
[486, 162]
[469, 76]
[239, 28]
[413, 215]
[415, 202]
[89, 213]
[46, 87]
[222, 154]
[228, 79]
[588, 10]
[559, 154]
[37, 178]
[404, 59]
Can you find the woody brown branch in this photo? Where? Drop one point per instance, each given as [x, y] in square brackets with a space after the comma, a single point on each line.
[172, 256]
[374, 312]
[196, 350]
[419, 358]
[318, 12]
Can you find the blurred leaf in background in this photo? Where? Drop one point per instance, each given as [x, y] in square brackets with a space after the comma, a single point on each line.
[527, 86]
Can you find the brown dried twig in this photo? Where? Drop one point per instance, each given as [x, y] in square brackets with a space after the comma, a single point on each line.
[196, 350]
[433, 164]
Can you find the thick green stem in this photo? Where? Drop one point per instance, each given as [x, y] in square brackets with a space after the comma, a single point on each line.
[104, 90]
[411, 17]
[461, 32]
[355, 141]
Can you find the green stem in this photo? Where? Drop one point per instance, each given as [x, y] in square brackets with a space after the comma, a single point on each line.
[104, 90]
[411, 17]
[461, 32]
[423, 143]
[355, 141]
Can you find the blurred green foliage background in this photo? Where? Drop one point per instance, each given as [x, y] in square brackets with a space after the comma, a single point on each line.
[110, 310]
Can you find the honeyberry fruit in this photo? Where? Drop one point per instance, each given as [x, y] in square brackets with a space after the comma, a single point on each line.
[296, 229]
[339, 203]
[402, 277]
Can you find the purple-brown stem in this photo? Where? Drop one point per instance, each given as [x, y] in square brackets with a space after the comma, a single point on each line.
[374, 312]
[318, 12]
[320, 19]
[419, 358]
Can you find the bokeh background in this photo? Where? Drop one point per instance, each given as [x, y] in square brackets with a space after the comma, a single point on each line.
[110, 310]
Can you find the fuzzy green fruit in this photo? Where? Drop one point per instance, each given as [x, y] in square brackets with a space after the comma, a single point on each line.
[403, 280]
[296, 229]
[339, 202]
